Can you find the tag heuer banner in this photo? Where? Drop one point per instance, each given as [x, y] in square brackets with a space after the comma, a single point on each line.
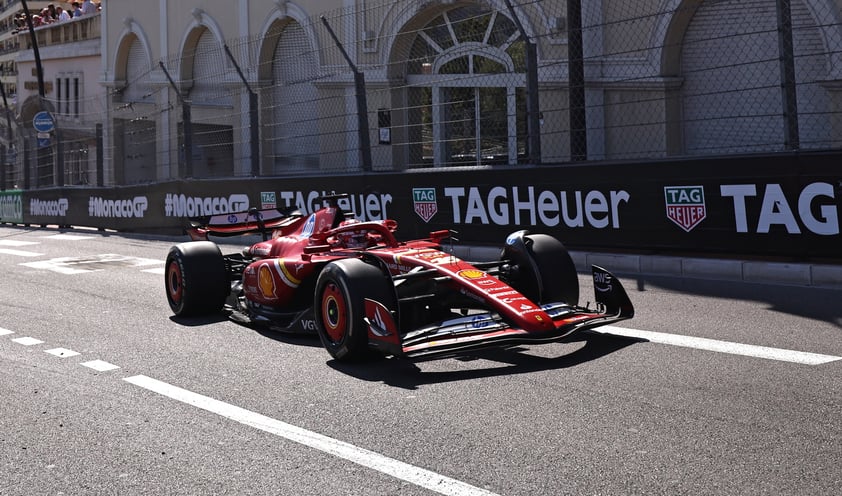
[775, 205]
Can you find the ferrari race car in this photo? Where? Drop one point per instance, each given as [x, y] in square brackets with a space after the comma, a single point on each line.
[360, 289]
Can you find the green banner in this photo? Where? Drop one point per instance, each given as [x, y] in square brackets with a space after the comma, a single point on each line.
[11, 206]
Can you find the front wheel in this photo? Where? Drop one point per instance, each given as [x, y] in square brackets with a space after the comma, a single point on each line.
[339, 306]
[195, 279]
[541, 268]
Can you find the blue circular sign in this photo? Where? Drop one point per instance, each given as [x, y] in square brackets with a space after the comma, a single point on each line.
[43, 122]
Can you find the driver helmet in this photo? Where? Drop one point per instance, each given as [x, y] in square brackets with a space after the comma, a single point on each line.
[352, 239]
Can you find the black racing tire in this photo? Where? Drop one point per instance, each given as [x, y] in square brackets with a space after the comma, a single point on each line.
[196, 279]
[339, 306]
[545, 271]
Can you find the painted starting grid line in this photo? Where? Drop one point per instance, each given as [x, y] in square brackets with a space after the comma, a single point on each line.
[748, 350]
[72, 265]
[8, 247]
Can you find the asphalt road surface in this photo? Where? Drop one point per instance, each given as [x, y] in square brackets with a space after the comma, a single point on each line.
[713, 388]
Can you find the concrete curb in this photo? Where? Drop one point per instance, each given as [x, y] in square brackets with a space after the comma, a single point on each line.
[791, 274]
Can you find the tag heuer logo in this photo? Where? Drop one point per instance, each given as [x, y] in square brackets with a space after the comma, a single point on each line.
[424, 201]
[267, 199]
[685, 205]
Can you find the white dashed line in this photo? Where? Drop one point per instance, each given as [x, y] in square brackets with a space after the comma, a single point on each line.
[100, 366]
[62, 352]
[4, 332]
[749, 350]
[375, 461]
[27, 341]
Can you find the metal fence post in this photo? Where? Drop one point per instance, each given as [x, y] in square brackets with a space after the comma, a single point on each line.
[100, 160]
[576, 83]
[362, 103]
[533, 123]
[254, 121]
[789, 95]
[187, 128]
[26, 165]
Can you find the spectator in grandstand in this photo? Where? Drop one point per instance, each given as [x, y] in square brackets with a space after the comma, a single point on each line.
[62, 14]
[20, 23]
[45, 17]
[77, 9]
[88, 7]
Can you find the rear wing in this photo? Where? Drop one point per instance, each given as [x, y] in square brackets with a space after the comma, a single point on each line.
[252, 221]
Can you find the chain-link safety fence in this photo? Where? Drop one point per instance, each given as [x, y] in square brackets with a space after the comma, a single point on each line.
[407, 84]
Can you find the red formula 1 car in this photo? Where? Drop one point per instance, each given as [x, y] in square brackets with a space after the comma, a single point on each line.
[360, 289]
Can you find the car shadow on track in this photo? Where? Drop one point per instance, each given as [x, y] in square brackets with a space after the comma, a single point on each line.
[198, 321]
[294, 339]
[407, 374]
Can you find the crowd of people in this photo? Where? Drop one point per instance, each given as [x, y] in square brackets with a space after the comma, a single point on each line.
[53, 13]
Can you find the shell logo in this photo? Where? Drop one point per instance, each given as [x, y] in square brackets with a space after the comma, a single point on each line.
[266, 282]
[471, 274]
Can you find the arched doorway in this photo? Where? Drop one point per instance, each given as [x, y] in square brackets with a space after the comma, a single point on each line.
[135, 136]
[293, 114]
[211, 105]
[731, 95]
[466, 93]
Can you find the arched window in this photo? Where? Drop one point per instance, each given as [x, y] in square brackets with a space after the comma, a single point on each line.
[732, 79]
[207, 59]
[467, 78]
[137, 74]
[294, 122]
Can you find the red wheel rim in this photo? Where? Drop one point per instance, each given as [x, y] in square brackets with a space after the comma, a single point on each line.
[175, 288]
[334, 312]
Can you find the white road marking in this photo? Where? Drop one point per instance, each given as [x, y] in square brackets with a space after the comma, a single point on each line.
[60, 265]
[14, 242]
[157, 270]
[62, 352]
[100, 366]
[77, 265]
[19, 253]
[67, 237]
[749, 350]
[27, 341]
[4, 332]
[375, 461]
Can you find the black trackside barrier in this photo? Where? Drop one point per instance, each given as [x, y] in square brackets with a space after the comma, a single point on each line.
[782, 205]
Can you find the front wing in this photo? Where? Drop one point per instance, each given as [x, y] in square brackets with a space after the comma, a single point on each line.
[487, 330]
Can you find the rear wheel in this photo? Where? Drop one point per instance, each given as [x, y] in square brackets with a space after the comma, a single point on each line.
[541, 268]
[339, 306]
[195, 279]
